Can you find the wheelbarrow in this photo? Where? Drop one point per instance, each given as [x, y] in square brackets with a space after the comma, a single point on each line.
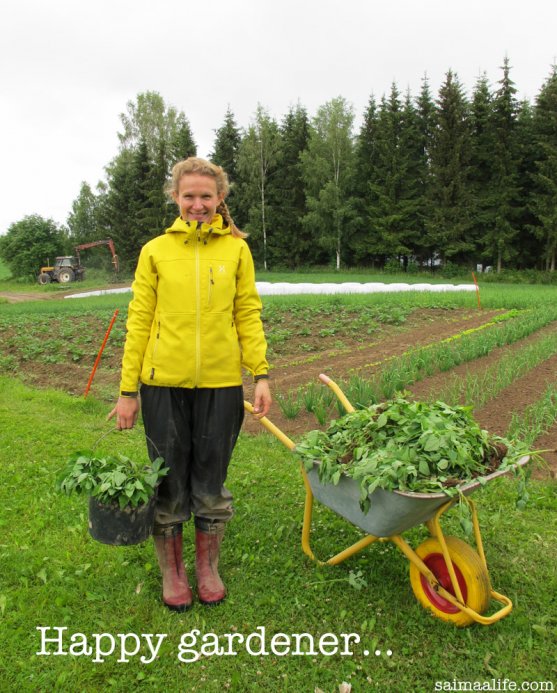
[448, 576]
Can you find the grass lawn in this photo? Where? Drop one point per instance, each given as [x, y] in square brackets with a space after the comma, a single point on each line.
[54, 575]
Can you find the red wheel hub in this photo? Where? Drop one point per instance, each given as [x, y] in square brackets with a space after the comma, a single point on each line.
[436, 563]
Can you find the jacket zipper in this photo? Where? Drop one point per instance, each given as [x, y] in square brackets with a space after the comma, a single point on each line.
[155, 349]
[198, 310]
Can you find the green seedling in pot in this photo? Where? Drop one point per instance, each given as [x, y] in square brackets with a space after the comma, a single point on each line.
[111, 479]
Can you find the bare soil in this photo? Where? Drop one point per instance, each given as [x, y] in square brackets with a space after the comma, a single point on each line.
[14, 297]
[20, 296]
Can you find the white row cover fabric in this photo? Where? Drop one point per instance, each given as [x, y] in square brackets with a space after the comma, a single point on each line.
[284, 288]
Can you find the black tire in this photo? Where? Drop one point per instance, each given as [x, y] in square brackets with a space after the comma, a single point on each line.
[44, 278]
[66, 275]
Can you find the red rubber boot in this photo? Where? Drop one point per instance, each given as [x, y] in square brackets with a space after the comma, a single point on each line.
[210, 587]
[176, 592]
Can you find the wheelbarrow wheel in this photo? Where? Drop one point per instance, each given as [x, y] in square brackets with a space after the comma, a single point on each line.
[471, 574]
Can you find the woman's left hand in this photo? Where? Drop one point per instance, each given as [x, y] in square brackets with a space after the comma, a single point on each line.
[261, 398]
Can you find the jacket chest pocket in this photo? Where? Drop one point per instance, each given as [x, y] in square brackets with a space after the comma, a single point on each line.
[221, 286]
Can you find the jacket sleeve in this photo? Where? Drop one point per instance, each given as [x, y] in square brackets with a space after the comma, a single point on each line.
[141, 313]
[247, 316]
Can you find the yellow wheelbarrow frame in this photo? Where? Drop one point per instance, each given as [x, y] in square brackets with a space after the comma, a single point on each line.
[450, 596]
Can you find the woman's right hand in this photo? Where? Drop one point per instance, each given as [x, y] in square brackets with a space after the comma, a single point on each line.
[126, 412]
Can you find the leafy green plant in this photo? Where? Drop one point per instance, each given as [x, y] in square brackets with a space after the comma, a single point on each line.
[407, 446]
[111, 479]
[8, 364]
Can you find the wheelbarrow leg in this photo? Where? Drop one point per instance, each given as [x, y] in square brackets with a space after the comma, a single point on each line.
[306, 532]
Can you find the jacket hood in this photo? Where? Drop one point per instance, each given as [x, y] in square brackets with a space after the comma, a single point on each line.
[189, 227]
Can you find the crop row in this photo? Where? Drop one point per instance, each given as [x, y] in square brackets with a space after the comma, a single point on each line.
[52, 338]
[399, 373]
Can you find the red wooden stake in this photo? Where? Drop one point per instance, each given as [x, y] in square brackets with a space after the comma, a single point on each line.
[100, 353]
[477, 290]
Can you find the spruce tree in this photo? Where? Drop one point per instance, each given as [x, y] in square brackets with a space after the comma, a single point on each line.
[180, 143]
[290, 246]
[227, 144]
[528, 242]
[425, 123]
[498, 240]
[117, 198]
[449, 225]
[360, 245]
[225, 153]
[386, 200]
[544, 198]
[393, 200]
[411, 200]
[154, 211]
[482, 137]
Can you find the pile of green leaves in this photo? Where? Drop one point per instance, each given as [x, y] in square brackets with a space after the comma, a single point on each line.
[406, 446]
[111, 479]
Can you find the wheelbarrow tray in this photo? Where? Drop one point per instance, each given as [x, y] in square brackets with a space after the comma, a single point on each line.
[390, 512]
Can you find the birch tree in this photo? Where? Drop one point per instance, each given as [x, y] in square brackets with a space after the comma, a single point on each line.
[257, 159]
[327, 170]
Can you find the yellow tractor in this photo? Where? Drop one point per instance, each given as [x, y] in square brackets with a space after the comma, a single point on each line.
[68, 268]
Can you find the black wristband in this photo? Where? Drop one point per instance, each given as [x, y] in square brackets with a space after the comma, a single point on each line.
[124, 393]
[263, 376]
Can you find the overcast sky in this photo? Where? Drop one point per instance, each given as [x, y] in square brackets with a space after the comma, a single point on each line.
[68, 69]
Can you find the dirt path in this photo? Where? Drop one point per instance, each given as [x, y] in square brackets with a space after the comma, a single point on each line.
[59, 293]
[14, 297]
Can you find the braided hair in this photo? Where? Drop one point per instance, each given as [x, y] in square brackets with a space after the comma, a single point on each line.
[203, 167]
[223, 210]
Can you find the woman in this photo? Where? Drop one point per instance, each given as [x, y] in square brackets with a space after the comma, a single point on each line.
[194, 321]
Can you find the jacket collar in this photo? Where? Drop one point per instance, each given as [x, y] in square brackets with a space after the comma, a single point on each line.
[192, 227]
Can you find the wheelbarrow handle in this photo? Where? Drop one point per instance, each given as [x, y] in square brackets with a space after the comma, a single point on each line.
[284, 439]
[338, 392]
[264, 421]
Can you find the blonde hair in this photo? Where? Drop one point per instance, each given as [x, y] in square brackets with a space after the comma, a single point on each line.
[203, 167]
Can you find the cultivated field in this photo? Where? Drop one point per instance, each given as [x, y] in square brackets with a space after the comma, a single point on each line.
[499, 359]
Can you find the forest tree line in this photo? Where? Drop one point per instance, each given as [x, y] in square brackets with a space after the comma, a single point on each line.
[424, 181]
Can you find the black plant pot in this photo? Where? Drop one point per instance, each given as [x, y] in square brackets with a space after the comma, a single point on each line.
[110, 524]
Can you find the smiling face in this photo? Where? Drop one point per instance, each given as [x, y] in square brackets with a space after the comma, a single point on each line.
[197, 197]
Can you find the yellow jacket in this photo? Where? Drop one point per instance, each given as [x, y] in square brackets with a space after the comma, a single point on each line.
[195, 316]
